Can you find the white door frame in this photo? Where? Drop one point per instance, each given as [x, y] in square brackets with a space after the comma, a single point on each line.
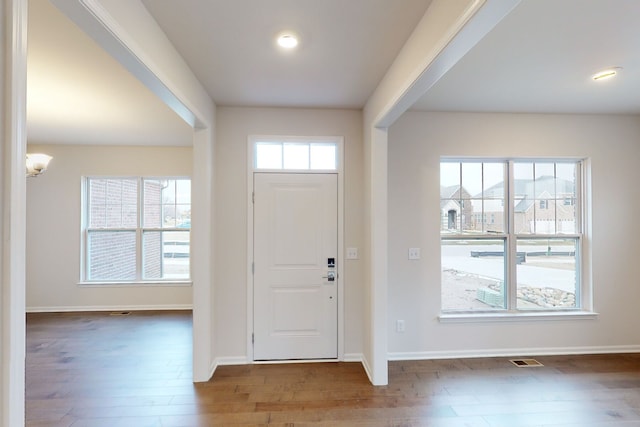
[339, 141]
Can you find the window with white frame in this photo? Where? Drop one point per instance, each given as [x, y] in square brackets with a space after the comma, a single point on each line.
[136, 229]
[527, 256]
[296, 155]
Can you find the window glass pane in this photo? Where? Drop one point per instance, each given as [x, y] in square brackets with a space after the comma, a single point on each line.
[544, 221]
[153, 202]
[545, 180]
[169, 215]
[566, 176]
[112, 203]
[545, 192]
[183, 191]
[495, 212]
[114, 215]
[268, 155]
[472, 178]
[471, 185]
[167, 203]
[493, 180]
[97, 216]
[169, 191]
[566, 216]
[547, 277]
[323, 156]
[523, 216]
[112, 255]
[97, 199]
[166, 254]
[524, 198]
[476, 206]
[183, 216]
[494, 197]
[523, 181]
[129, 192]
[296, 156]
[473, 274]
[450, 208]
[567, 197]
[449, 177]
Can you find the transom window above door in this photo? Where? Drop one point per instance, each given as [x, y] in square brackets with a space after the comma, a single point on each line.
[295, 155]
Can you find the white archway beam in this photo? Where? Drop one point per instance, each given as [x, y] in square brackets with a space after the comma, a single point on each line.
[448, 30]
[129, 33]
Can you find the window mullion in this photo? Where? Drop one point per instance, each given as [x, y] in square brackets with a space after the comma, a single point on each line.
[511, 243]
[580, 219]
[556, 225]
[139, 249]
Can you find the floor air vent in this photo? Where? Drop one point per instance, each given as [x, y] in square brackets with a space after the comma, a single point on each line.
[120, 313]
[526, 363]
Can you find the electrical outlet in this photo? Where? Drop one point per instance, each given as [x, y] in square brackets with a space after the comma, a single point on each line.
[414, 253]
[399, 325]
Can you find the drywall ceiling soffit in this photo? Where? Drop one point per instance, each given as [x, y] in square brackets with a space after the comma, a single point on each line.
[540, 59]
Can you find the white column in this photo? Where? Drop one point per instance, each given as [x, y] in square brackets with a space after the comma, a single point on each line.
[378, 266]
[202, 254]
[13, 154]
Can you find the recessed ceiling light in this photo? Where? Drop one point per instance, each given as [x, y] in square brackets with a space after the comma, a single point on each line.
[606, 74]
[287, 40]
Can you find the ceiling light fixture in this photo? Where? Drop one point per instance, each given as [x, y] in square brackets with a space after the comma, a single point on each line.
[606, 74]
[287, 40]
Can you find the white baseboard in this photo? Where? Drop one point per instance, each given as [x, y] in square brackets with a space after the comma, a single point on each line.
[353, 357]
[237, 360]
[511, 352]
[163, 307]
[367, 368]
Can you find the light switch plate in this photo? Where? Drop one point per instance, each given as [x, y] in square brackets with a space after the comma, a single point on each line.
[414, 253]
[352, 253]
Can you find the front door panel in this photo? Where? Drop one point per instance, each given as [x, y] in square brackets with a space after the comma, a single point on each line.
[295, 240]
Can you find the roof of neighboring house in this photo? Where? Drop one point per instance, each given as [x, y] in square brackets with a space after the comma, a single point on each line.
[448, 192]
[526, 191]
[534, 189]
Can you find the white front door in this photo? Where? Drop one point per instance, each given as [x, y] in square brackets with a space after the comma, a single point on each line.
[295, 244]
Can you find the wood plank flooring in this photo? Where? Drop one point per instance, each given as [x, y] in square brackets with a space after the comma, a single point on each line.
[96, 369]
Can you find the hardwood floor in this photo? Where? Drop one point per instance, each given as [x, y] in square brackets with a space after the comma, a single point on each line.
[99, 370]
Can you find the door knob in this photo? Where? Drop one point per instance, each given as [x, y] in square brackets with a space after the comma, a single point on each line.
[331, 276]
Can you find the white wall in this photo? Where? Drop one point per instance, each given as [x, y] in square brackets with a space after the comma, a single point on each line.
[234, 125]
[53, 226]
[416, 143]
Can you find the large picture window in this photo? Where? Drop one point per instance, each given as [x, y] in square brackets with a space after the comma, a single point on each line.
[136, 229]
[511, 234]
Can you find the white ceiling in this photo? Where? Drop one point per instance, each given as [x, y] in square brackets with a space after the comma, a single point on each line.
[78, 94]
[538, 59]
[541, 57]
[345, 47]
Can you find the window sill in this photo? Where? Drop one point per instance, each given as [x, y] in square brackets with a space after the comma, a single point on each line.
[163, 283]
[516, 317]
